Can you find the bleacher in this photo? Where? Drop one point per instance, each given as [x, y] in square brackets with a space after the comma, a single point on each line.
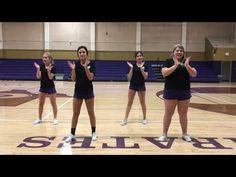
[23, 69]
[111, 70]
[205, 72]
[17, 69]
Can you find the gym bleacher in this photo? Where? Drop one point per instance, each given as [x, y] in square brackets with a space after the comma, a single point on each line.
[106, 70]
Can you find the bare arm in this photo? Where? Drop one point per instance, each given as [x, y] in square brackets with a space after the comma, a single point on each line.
[145, 74]
[50, 75]
[167, 71]
[72, 66]
[192, 71]
[73, 75]
[130, 74]
[88, 73]
[38, 72]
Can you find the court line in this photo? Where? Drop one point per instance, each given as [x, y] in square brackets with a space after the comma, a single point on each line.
[58, 108]
[220, 100]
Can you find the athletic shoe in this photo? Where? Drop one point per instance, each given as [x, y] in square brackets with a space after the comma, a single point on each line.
[70, 138]
[94, 136]
[186, 138]
[38, 121]
[145, 121]
[162, 138]
[123, 122]
[55, 122]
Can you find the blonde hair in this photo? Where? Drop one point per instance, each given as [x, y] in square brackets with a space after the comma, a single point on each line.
[49, 55]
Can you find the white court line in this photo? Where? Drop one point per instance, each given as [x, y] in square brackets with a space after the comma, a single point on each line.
[51, 112]
[213, 98]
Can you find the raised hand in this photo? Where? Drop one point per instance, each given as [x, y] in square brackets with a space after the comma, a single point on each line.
[142, 65]
[36, 65]
[85, 64]
[71, 65]
[176, 62]
[49, 67]
[187, 61]
[130, 65]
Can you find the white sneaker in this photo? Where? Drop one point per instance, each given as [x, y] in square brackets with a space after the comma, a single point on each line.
[70, 138]
[162, 138]
[186, 138]
[55, 122]
[145, 121]
[94, 136]
[38, 121]
[123, 122]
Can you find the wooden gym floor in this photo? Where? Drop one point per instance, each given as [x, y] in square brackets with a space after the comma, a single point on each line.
[212, 121]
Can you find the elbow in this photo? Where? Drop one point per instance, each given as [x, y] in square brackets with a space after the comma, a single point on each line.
[164, 75]
[91, 78]
[73, 77]
[194, 74]
[146, 76]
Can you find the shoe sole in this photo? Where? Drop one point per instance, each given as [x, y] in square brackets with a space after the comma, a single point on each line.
[186, 140]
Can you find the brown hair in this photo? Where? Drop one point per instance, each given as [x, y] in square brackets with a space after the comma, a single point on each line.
[136, 53]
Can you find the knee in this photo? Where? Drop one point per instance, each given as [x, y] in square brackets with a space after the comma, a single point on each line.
[130, 102]
[142, 103]
[41, 104]
[54, 104]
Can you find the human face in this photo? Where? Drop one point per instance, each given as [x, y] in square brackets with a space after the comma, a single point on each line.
[178, 53]
[139, 58]
[46, 59]
[82, 54]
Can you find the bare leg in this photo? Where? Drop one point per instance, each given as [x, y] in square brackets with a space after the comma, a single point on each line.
[77, 103]
[169, 111]
[54, 104]
[182, 110]
[131, 94]
[90, 108]
[141, 95]
[42, 97]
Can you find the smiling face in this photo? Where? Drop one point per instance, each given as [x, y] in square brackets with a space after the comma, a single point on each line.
[82, 54]
[178, 52]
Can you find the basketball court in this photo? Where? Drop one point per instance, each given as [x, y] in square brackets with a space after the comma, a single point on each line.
[212, 121]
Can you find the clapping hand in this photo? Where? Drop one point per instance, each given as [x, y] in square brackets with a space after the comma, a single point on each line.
[36, 65]
[142, 65]
[71, 64]
[49, 67]
[130, 65]
[85, 64]
[186, 64]
[176, 62]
